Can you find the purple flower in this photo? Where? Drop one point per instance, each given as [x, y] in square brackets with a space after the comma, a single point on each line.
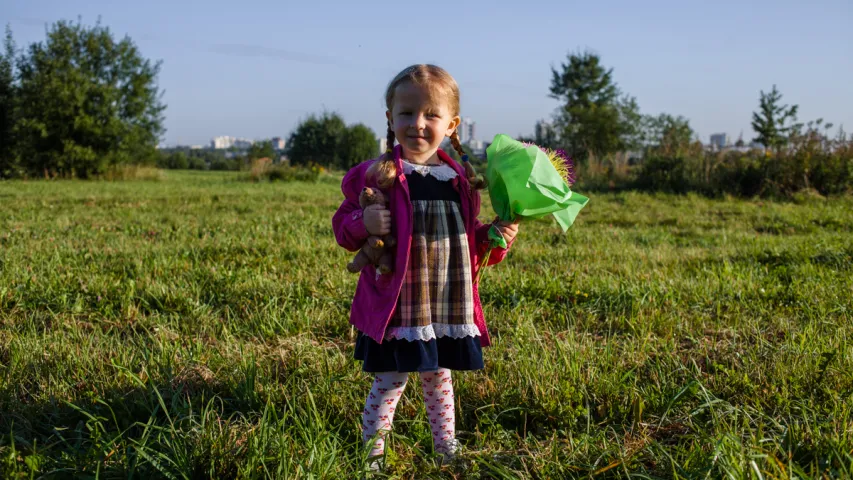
[570, 165]
[560, 153]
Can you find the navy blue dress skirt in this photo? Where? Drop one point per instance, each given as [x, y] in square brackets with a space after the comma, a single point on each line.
[418, 356]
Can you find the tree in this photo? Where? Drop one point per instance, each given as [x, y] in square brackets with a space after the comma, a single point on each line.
[359, 145]
[8, 163]
[87, 102]
[595, 117]
[544, 135]
[774, 123]
[841, 136]
[317, 140]
[262, 150]
[667, 135]
[196, 163]
[179, 161]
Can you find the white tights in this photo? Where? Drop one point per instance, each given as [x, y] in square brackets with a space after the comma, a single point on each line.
[387, 389]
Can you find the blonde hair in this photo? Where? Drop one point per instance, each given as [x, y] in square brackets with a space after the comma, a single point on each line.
[441, 85]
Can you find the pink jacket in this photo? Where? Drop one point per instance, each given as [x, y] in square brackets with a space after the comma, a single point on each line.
[376, 298]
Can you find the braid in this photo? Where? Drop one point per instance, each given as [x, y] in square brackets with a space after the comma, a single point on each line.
[389, 140]
[477, 182]
[384, 170]
[454, 140]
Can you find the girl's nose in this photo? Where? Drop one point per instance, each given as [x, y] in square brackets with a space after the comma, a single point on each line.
[420, 121]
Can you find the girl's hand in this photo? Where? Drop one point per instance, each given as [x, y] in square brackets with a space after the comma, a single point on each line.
[377, 220]
[508, 229]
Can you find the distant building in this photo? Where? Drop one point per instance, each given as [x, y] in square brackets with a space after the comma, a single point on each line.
[221, 142]
[243, 143]
[720, 141]
[225, 142]
[467, 131]
[278, 143]
[382, 142]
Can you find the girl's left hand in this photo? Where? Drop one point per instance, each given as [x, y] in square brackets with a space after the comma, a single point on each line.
[508, 229]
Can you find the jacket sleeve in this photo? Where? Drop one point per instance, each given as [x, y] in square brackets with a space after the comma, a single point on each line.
[347, 222]
[481, 236]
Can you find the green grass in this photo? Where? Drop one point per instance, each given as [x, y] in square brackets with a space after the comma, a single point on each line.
[197, 327]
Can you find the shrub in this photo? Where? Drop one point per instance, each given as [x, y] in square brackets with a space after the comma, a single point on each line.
[259, 168]
[810, 164]
[284, 173]
[225, 164]
[196, 163]
[133, 172]
[739, 174]
[612, 172]
[663, 174]
[834, 174]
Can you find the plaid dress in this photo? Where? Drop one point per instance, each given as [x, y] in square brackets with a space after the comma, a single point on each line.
[433, 324]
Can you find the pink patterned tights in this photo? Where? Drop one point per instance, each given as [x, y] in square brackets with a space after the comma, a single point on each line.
[387, 389]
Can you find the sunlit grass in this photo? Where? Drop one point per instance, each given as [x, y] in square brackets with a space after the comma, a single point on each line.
[196, 327]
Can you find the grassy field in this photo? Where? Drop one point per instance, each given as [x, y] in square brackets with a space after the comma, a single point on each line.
[197, 327]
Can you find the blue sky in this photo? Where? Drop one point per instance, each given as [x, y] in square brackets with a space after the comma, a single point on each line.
[255, 68]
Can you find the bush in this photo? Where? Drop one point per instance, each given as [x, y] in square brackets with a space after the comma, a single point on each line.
[196, 163]
[739, 174]
[609, 173]
[133, 172]
[173, 161]
[225, 164]
[834, 175]
[283, 173]
[824, 168]
[259, 168]
[664, 174]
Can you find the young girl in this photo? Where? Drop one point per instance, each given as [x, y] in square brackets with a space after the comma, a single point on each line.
[424, 316]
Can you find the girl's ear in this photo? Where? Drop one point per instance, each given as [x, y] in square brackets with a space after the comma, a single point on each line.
[454, 123]
[388, 116]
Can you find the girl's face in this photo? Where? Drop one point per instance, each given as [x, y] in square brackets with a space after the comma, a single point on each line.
[420, 121]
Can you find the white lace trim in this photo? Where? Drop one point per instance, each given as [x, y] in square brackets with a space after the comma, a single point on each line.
[441, 172]
[430, 332]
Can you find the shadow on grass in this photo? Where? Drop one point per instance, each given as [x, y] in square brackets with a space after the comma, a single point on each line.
[151, 429]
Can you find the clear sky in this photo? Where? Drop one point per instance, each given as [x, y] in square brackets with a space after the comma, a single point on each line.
[255, 68]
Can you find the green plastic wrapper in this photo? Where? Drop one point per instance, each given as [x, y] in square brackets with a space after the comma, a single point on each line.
[523, 183]
[496, 239]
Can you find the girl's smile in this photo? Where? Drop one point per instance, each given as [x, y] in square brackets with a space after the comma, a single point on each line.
[420, 120]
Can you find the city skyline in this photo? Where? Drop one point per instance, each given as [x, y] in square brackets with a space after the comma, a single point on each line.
[718, 140]
[467, 136]
[259, 76]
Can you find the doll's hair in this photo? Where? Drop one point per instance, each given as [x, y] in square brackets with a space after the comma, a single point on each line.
[441, 85]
